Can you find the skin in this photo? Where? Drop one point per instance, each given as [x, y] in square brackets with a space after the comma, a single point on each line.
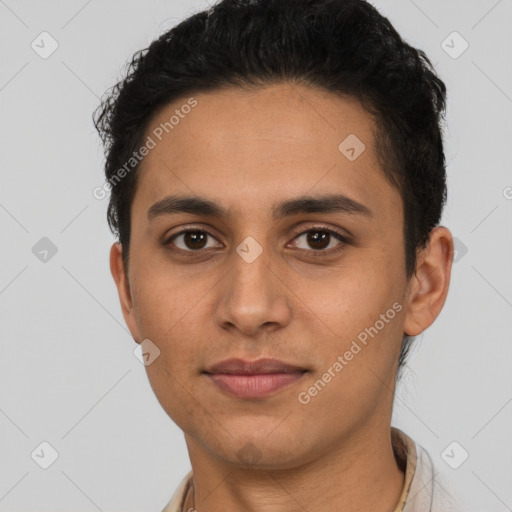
[246, 150]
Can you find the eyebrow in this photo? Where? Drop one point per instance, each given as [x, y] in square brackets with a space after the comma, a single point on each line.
[332, 203]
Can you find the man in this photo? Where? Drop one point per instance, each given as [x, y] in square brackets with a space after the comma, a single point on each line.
[277, 180]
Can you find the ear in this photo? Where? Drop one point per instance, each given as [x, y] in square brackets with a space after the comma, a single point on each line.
[428, 287]
[123, 289]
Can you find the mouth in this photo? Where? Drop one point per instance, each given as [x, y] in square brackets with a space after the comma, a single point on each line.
[254, 379]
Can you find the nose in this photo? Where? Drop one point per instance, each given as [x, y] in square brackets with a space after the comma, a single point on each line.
[253, 300]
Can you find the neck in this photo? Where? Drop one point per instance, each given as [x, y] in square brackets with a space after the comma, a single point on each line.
[360, 474]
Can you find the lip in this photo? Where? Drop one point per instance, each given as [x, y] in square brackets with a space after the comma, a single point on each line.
[254, 379]
[258, 367]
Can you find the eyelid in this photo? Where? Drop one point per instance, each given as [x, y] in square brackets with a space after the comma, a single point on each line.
[186, 229]
[340, 236]
[320, 227]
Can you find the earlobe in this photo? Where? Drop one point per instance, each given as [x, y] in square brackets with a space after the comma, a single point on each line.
[428, 287]
[123, 289]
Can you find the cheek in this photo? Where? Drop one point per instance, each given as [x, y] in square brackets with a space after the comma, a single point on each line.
[352, 299]
[164, 300]
[170, 316]
[172, 389]
[358, 373]
[364, 313]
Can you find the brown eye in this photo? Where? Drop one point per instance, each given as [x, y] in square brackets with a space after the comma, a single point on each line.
[320, 240]
[190, 240]
[194, 239]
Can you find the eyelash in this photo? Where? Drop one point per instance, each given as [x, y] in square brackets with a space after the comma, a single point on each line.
[314, 253]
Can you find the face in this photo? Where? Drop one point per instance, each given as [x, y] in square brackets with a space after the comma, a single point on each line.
[295, 254]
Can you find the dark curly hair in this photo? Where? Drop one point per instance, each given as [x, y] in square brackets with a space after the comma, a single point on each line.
[341, 46]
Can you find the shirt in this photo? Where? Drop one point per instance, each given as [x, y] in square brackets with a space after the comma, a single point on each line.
[422, 490]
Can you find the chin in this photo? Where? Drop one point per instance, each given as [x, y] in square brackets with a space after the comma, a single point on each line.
[261, 453]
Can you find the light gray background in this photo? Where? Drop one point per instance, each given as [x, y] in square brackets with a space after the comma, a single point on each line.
[68, 375]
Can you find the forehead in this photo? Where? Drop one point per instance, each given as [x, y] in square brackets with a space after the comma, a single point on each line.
[249, 148]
